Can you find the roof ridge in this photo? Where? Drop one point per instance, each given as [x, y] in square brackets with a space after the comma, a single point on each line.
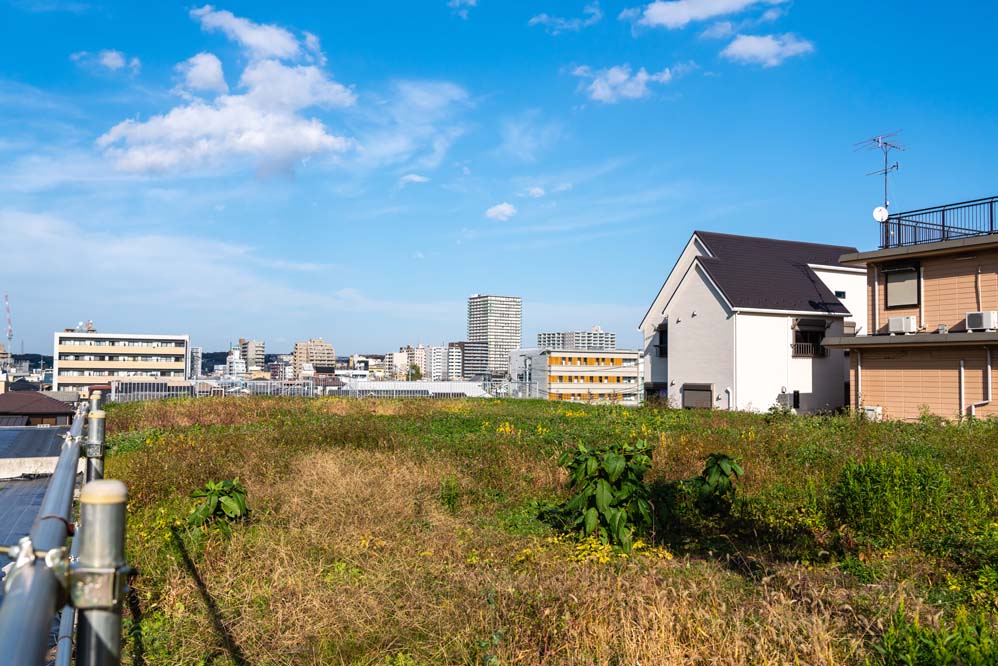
[701, 232]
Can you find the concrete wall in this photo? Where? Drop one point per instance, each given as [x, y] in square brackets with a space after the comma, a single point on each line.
[701, 345]
[853, 282]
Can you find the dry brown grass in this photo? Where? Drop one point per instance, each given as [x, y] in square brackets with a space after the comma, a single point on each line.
[356, 560]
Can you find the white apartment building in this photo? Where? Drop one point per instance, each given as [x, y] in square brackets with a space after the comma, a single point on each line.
[316, 352]
[595, 338]
[253, 352]
[197, 354]
[235, 364]
[495, 321]
[84, 358]
[455, 361]
[577, 375]
[436, 363]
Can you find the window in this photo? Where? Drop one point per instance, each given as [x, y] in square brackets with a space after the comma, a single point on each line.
[663, 341]
[840, 294]
[808, 334]
[698, 396]
[901, 285]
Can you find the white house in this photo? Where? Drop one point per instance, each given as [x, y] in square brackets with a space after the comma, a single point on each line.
[739, 322]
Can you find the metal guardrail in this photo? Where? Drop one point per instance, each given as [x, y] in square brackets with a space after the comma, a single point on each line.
[939, 223]
[88, 582]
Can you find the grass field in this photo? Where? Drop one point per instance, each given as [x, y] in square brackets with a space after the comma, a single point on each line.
[419, 532]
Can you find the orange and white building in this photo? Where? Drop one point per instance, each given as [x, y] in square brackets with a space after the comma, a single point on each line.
[88, 357]
[578, 375]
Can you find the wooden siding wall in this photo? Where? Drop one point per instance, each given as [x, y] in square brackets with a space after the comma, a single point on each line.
[905, 382]
[948, 291]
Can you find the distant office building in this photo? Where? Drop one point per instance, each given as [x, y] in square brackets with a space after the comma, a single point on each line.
[5, 356]
[580, 375]
[253, 353]
[396, 364]
[235, 364]
[315, 352]
[495, 321]
[596, 339]
[474, 359]
[281, 370]
[197, 354]
[84, 358]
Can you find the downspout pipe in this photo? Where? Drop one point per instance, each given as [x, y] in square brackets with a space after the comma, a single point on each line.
[859, 379]
[876, 300]
[962, 408]
[727, 392]
[987, 381]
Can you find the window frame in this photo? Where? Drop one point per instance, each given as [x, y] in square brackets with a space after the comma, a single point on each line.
[898, 268]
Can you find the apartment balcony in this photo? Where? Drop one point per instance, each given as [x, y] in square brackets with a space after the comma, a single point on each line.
[940, 223]
[807, 350]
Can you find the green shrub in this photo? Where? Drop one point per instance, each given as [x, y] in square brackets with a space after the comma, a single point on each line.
[611, 497]
[891, 499]
[450, 494]
[970, 641]
[223, 501]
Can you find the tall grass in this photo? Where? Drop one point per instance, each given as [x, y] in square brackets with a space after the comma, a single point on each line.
[412, 532]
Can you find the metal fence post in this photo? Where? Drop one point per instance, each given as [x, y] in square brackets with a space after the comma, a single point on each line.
[102, 551]
[95, 446]
[95, 401]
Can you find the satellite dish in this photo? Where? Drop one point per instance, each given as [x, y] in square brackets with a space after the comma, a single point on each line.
[880, 214]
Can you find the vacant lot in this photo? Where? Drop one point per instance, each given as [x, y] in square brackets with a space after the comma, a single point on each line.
[421, 532]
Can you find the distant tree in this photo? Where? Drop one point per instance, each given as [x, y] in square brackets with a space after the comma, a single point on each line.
[414, 372]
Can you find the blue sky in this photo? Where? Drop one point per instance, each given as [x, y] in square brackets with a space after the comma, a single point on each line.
[356, 170]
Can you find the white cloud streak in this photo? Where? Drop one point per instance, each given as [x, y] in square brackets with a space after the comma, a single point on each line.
[501, 212]
[617, 83]
[259, 40]
[462, 7]
[110, 59]
[203, 73]
[411, 178]
[766, 50]
[555, 24]
[674, 14]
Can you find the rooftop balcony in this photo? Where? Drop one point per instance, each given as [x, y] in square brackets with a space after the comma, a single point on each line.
[939, 223]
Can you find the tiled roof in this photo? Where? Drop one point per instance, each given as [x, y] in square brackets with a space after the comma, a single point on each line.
[32, 403]
[769, 274]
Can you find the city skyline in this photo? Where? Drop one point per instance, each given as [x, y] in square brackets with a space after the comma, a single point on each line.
[527, 151]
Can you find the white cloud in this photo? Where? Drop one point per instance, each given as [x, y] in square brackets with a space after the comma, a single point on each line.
[410, 178]
[617, 83]
[313, 46]
[526, 136]
[766, 50]
[556, 24]
[203, 73]
[461, 7]
[259, 40]
[535, 192]
[719, 30]
[273, 85]
[673, 14]
[109, 59]
[501, 212]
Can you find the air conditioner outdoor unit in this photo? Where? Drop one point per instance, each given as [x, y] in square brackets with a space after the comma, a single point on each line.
[902, 325]
[982, 321]
[874, 413]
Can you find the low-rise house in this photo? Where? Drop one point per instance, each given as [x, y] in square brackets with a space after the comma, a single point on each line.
[933, 312]
[35, 408]
[739, 322]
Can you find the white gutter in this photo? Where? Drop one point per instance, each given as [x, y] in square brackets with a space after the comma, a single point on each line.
[962, 408]
[876, 300]
[921, 298]
[728, 392]
[859, 379]
[812, 313]
[987, 393]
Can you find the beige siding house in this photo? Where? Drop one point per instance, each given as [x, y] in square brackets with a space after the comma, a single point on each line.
[933, 316]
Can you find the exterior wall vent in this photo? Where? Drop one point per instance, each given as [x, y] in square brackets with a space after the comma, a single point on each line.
[901, 325]
[982, 321]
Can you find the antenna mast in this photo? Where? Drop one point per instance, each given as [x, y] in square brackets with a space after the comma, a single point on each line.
[10, 331]
[884, 143]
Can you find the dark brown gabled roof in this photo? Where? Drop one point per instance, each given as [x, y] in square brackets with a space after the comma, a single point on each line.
[32, 403]
[770, 274]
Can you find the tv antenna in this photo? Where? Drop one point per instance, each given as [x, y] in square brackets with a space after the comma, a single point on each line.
[10, 330]
[885, 143]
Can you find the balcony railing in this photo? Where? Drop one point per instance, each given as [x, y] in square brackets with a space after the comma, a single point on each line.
[940, 223]
[807, 350]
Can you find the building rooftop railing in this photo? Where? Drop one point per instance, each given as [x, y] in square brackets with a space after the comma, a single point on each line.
[939, 223]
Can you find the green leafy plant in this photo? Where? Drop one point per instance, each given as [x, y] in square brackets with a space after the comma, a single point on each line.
[970, 641]
[450, 494]
[223, 501]
[715, 487]
[611, 497]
